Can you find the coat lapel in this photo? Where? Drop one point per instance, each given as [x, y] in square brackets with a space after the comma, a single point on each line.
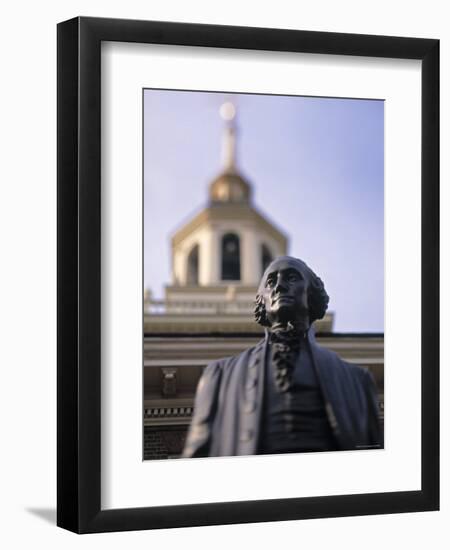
[330, 384]
[252, 401]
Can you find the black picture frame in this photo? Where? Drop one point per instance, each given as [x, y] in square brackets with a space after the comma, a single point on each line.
[79, 275]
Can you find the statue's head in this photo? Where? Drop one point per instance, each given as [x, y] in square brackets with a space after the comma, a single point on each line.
[290, 291]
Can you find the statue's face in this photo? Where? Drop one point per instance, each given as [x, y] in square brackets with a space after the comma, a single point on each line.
[285, 292]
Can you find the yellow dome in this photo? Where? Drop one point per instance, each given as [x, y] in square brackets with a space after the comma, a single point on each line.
[229, 187]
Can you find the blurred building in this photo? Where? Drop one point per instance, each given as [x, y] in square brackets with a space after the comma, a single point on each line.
[218, 258]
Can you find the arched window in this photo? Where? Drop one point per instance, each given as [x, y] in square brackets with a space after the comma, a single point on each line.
[231, 258]
[192, 267]
[266, 258]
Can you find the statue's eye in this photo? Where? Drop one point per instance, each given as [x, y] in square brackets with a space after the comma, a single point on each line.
[270, 282]
[293, 277]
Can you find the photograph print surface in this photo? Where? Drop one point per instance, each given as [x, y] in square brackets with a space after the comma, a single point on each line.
[272, 204]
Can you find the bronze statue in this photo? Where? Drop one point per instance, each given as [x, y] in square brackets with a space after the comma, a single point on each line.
[286, 394]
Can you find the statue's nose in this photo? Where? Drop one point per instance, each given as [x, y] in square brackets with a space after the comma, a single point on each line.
[280, 285]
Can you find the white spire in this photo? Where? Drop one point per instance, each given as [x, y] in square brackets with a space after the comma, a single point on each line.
[228, 113]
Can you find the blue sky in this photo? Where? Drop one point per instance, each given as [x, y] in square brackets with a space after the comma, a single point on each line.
[317, 170]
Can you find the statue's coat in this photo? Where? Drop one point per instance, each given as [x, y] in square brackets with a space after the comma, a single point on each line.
[230, 399]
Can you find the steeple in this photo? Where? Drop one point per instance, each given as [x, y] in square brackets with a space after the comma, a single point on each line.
[229, 186]
[228, 113]
[229, 242]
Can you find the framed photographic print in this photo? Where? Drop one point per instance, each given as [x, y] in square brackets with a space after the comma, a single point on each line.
[247, 274]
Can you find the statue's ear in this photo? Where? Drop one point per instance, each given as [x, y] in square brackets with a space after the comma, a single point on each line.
[318, 299]
[311, 304]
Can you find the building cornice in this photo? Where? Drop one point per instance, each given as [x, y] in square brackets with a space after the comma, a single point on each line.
[230, 212]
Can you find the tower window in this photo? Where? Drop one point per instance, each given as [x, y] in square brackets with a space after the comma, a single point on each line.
[266, 258]
[192, 266]
[231, 258]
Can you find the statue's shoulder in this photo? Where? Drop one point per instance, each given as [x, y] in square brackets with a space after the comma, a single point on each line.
[332, 358]
[219, 367]
[211, 376]
[231, 361]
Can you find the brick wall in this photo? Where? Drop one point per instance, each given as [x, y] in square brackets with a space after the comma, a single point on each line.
[161, 443]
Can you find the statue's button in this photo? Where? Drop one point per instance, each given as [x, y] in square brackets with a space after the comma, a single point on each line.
[249, 406]
[246, 435]
[199, 430]
[251, 383]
